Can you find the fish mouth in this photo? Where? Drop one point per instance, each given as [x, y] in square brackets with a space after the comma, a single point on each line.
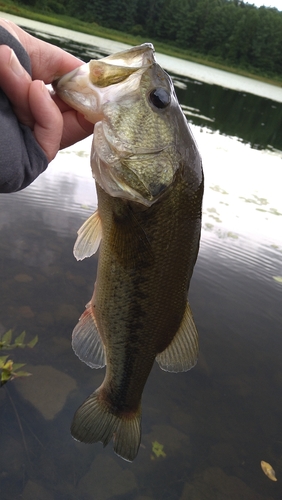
[90, 85]
[136, 57]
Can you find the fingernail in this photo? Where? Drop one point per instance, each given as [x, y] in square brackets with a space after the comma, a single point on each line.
[45, 91]
[16, 65]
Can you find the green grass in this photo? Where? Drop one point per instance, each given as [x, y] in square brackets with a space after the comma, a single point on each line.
[72, 23]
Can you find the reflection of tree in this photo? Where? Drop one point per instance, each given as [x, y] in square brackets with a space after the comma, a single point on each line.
[82, 50]
[251, 118]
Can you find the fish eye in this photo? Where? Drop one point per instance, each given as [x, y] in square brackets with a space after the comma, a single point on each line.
[160, 98]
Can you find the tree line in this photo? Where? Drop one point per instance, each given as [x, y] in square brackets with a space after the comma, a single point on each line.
[229, 31]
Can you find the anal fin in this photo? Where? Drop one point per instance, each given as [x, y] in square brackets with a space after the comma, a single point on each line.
[182, 353]
[89, 237]
[86, 340]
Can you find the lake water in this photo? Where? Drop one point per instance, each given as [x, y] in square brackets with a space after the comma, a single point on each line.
[218, 421]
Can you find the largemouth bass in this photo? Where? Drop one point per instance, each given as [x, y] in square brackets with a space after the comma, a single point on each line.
[149, 183]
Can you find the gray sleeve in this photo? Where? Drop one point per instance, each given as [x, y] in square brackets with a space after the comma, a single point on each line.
[21, 157]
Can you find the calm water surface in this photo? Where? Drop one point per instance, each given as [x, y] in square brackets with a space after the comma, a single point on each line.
[215, 423]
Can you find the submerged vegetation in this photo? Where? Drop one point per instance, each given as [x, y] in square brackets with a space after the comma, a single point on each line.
[8, 369]
[228, 34]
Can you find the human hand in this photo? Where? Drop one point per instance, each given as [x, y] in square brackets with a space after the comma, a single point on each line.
[54, 124]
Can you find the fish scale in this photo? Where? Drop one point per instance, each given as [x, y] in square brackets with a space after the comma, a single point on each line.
[149, 184]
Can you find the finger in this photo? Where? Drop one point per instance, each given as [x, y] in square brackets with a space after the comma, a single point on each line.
[61, 104]
[48, 61]
[48, 125]
[76, 128]
[9, 26]
[15, 82]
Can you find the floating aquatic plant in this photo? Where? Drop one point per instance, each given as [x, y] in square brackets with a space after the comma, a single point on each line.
[268, 470]
[158, 450]
[8, 369]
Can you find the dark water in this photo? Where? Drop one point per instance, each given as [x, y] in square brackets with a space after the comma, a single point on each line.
[217, 422]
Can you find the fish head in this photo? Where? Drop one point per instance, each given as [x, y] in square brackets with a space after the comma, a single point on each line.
[88, 86]
[141, 137]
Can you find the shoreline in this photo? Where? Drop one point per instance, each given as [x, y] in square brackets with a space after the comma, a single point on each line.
[193, 70]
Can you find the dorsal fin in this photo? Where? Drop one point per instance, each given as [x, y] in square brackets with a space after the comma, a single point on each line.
[89, 237]
[182, 352]
[86, 341]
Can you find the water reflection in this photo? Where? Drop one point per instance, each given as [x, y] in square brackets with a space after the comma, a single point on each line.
[217, 422]
[82, 50]
[251, 118]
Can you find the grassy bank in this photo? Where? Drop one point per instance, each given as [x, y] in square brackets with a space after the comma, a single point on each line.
[94, 29]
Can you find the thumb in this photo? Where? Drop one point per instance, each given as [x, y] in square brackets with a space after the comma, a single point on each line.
[48, 126]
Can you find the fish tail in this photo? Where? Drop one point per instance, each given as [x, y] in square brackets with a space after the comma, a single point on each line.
[93, 422]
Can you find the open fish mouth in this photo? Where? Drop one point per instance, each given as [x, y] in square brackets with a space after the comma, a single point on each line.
[137, 57]
[131, 101]
[89, 86]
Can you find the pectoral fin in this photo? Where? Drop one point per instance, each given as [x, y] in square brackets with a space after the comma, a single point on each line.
[182, 352]
[86, 341]
[89, 237]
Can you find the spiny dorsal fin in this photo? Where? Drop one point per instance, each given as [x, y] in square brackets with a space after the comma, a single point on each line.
[89, 237]
[182, 352]
[86, 341]
[93, 422]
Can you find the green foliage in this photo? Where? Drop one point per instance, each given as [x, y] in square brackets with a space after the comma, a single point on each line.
[8, 369]
[56, 6]
[229, 32]
[6, 341]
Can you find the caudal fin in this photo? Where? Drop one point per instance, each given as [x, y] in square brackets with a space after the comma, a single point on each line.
[94, 422]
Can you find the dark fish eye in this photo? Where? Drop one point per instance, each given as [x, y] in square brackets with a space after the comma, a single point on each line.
[160, 98]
